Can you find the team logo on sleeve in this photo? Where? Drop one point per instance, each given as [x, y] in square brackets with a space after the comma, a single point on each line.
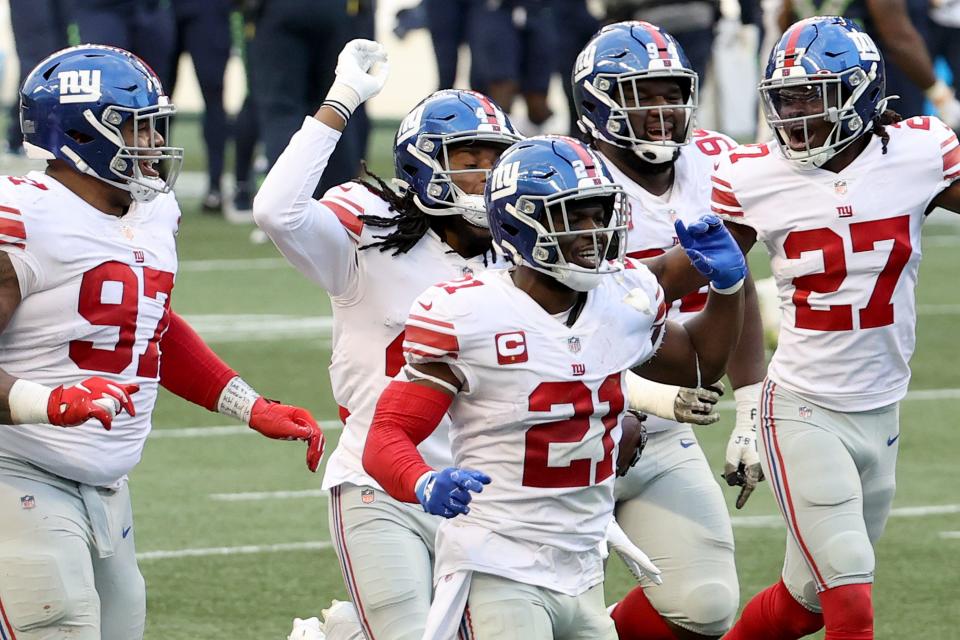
[27, 502]
[511, 347]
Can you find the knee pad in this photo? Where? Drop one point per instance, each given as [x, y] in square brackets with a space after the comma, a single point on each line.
[35, 594]
[849, 553]
[708, 609]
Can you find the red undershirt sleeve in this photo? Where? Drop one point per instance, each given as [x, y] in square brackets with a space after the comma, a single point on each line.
[406, 414]
[189, 368]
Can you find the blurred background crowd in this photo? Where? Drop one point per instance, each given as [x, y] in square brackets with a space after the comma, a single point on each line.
[250, 70]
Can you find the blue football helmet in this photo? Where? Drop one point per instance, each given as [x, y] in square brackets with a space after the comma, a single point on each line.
[75, 105]
[533, 181]
[828, 61]
[422, 148]
[605, 90]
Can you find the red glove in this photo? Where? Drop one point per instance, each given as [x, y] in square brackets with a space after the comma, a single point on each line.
[94, 398]
[283, 422]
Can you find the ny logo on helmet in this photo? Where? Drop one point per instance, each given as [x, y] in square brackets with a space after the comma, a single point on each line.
[584, 64]
[81, 85]
[865, 45]
[504, 180]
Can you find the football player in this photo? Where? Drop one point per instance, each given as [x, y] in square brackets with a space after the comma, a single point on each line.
[636, 96]
[528, 362]
[838, 199]
[87, 266]
[374, 250]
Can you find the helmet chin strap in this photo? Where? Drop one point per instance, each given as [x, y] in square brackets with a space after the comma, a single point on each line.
[655, 153]
[578, 280]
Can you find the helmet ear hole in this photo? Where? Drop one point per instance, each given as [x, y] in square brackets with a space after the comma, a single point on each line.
[79, 136]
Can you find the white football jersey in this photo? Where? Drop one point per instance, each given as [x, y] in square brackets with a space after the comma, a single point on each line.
[95, 300]
[845, 250]
[368, 326]
[539, 413]
[650, 230]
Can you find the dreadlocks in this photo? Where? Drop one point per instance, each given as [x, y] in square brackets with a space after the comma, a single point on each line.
[880, 121]
[410, 223]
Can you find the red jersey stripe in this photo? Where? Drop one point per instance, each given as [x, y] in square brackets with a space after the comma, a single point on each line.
[724, 212]
[439, 323]
[430, 338]
[427, 354]
[725, 198]
[4, 209]
[347, 218]
[951, 159]
[722, 183]
[13, 228]
[645, 253]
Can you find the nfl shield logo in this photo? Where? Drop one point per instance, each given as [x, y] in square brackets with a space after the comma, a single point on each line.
[840, 187]
[573, 344]
[366, 496]
[27, 502]
[805, 412]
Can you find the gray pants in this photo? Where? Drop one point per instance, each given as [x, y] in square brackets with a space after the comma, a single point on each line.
[67, 560]
[833, 475]
[385, 548]
[503, 609]
[671, 506]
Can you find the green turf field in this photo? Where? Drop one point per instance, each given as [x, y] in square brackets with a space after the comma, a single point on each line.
[242, 566]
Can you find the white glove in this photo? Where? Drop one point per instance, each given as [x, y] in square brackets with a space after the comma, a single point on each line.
[635, 559]
[693, 406]
[355, 82]
[945, 102]
[742, 467]
[308, 629]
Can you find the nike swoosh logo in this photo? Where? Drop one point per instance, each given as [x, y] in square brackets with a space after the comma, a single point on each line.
[893, 439]
[126, 531]
[686, 444]
[427, 307]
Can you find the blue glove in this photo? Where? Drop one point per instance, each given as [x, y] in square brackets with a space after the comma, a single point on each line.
[713, 251]
[447, 493]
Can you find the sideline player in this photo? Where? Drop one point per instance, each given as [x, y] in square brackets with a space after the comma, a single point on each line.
[87, 266]
[529, 363]
[636, 96]
[374, 250]
[838, 199]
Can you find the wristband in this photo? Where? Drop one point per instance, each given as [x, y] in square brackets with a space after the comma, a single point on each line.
[236, 400]
[729, 290]
[342, 99]
[651, 397]
[28, 402]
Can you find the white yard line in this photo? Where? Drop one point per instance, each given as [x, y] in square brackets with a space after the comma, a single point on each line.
[225, 430]
[775, 522]
[232, 551]
[950, 535]
[255, 496]
[336, 425]
[264, 327]
[233, 264]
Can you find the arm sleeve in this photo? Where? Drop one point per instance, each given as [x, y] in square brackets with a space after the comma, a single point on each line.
[189, 368]
[723, 199]
[317, 238]
[406, 414]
